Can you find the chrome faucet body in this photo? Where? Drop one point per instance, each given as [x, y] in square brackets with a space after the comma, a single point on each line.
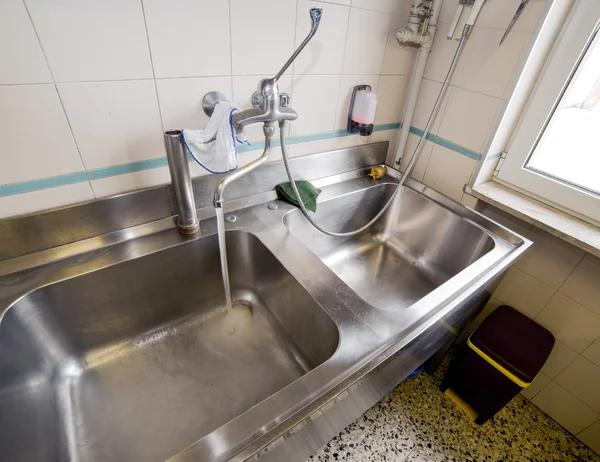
[270, 107]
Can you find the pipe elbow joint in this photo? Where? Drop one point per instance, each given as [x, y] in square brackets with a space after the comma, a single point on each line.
[405, 35]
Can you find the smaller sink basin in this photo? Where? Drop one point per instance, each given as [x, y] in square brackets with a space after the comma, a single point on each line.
[415, 247]
[138, 360]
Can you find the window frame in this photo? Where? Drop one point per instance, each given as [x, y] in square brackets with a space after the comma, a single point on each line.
[580, 30]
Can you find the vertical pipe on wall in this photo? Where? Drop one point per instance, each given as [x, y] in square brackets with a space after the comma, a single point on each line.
[417, 77]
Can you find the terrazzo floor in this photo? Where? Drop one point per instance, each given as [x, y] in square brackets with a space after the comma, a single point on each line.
[416, 422]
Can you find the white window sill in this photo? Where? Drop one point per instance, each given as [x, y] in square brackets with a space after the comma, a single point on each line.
[577, 232]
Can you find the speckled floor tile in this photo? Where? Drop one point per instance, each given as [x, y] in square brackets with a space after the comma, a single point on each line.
[374, 437]
[417, 423]
[538, 437]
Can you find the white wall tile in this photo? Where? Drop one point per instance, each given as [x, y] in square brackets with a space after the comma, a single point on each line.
[390, 102]
[314, 97]
[570, 322]
[35, 140]
[188, 38]
[549, 259]
[484, 66]
[420, 167]
[441, 54]
[560, 357]
[468, 118]
[565, 408]
[448, 171]
[114, 122]
[583, 285]
[35, 201]
[262, 35]
[113, 185]
[398, 59]
[523, 292]
[324, 53]
[536, 386]
[498, 14]
[349, 141]
[366, 41]
[310, 147]
[513, 223]
[337, 2]
[24, 63]
[582, 378]
[593, 352]
[428, 94]
[591, 437]
[403, 7]
[385, 6]
[447, 13]
[242, 89]
[347, 84]
[93, 39]
[181, 100]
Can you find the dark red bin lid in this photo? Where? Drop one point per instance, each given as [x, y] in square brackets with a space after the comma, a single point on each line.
[515, 342]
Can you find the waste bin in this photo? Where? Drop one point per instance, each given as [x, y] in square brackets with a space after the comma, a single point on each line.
[501, 357]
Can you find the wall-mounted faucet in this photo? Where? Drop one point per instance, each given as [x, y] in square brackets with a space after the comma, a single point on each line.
[269, 107]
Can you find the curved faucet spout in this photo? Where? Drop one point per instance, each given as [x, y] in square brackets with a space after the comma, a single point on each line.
[269, 131]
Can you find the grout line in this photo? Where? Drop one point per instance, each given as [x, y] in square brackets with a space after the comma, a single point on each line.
[570, 273]
[162, 125]
[230, 52]
[346, 39]
[62, 105]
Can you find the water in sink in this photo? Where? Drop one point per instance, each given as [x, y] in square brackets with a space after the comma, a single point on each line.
[139, 360]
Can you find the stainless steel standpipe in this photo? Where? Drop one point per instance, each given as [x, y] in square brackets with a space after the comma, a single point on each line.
[182, 183]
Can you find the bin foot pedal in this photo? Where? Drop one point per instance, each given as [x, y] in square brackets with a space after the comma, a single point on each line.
[472, 413]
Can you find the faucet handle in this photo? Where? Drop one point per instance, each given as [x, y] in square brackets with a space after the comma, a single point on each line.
[315, 17]
[256, 99]
[284, 99]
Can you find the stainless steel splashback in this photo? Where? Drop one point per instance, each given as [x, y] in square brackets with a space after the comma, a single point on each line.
[40, 231]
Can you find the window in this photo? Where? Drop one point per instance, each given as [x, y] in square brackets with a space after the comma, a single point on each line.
[555, 151]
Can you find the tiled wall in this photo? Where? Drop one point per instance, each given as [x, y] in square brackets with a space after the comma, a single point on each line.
[557, 285]
[88, 87]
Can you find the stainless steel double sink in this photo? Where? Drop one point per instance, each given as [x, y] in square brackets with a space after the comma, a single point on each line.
[123, 351]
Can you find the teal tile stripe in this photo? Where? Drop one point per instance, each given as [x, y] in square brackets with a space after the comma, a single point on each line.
[44, 183]
[133, 167]
[447, 144]
[107, 172]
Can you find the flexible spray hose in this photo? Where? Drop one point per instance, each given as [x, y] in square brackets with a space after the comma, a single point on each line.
[409, 167]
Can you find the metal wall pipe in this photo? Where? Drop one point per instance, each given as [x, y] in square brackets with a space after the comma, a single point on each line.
[425, 45]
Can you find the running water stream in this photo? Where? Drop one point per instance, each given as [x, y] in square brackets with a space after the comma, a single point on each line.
[223, 253]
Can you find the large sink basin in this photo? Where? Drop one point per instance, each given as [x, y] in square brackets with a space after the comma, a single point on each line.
[138, 360]
[415, 247]
[114, 345]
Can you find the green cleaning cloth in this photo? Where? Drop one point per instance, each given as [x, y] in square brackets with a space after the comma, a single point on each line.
[308, 194]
